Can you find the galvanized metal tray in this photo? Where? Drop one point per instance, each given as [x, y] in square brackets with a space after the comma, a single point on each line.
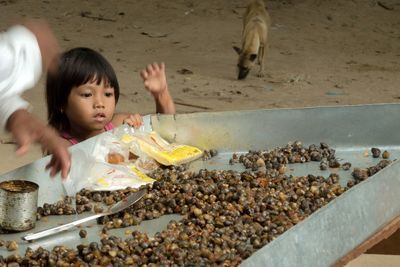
[320, 240]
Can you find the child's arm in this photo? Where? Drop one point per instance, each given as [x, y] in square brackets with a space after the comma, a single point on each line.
[155, 82]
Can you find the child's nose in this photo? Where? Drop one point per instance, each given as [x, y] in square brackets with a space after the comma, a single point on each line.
[98, 104]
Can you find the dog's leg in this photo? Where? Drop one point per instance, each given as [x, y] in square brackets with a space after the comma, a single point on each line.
[261, 61]
[260, 55]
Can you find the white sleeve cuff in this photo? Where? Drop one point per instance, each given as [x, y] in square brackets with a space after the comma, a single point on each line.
[8, 106]
[20, 61]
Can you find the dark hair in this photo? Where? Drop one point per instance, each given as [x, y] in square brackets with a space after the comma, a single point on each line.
[76, 67]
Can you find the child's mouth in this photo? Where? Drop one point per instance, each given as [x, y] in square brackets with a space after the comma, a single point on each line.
[100, 117]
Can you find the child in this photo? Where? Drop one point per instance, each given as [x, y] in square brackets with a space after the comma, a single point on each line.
[82, 95]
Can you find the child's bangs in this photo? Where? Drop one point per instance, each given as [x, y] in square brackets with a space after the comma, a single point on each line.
[97, 79]
[90, 73]
[83, 65]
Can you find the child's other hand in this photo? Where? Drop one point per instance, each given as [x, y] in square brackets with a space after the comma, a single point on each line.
[134, 120]
[154, 79]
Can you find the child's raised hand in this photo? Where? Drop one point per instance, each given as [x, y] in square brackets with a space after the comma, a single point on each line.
[154, 79]
[134, 120]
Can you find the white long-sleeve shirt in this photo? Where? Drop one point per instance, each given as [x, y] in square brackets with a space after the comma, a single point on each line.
[20, 69]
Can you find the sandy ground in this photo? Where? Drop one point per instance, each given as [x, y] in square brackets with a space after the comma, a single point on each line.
[320, 52]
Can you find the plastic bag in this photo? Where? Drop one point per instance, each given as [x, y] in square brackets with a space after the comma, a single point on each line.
[91, 171]
[109, 148]
[143, 162]
[154, 146]
[110, 177]
[122, 158]
[77, 177]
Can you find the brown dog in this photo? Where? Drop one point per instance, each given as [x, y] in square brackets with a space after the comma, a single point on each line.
[256, 23]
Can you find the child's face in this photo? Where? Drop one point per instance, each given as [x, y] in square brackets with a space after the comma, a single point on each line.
[90, 107]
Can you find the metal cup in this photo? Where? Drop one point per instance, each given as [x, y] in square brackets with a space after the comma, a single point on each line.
[18, 205]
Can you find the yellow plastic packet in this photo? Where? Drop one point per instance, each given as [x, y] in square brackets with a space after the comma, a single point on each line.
[154, 146]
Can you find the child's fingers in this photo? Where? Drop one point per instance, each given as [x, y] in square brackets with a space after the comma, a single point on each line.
[129, 122]
[138, 120]
[146, 84]
[162, 66]
[150, 69]
[144, 74]
[156, 67]
[134, 120]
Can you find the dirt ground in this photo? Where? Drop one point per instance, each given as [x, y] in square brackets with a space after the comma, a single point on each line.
[320, 52]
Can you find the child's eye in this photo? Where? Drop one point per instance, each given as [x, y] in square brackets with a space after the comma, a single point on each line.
[86, 94]
[109, 94]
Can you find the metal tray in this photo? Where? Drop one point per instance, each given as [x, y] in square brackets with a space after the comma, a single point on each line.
[320, 240]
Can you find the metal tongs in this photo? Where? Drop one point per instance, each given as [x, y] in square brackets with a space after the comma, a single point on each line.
[121, 205]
